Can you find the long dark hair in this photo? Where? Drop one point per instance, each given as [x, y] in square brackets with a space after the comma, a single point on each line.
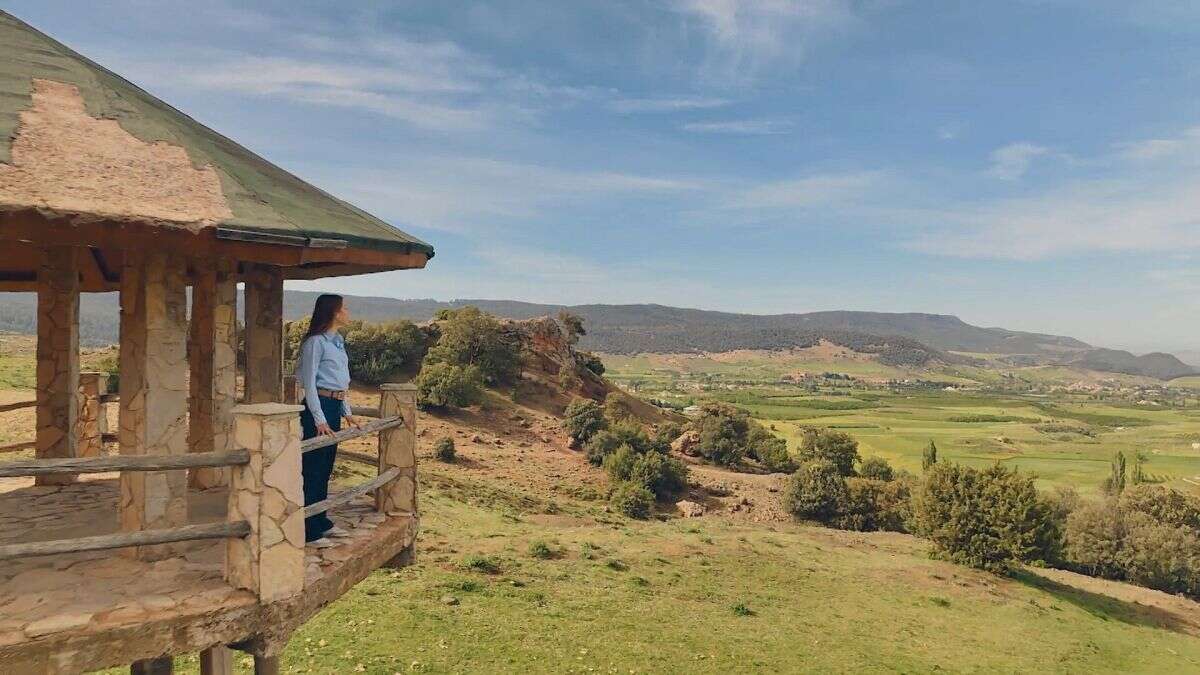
[324, 311]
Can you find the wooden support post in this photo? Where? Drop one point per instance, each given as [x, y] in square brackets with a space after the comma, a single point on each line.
[216, 661]
[397, 448]
[212, 361]
[266, 665]
[291, 389]
[153, 393]
[163, 665]
[93, 421]
[57, 357]
[267, 494]
[264, 334]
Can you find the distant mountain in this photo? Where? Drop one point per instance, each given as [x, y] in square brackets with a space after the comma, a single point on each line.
[909, 338]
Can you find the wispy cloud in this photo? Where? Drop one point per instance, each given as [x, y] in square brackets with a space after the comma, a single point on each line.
[653, 105]
[1012, 161]
[740, 127]
[748, 36]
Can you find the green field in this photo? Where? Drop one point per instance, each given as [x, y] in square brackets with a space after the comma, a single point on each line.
[1065, 438]
[706, 596]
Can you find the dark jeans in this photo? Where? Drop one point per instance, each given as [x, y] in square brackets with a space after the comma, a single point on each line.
[317, 466]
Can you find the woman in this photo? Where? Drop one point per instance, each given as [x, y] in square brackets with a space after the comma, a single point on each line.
[323, 370]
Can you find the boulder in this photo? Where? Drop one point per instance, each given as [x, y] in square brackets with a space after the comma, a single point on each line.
[689, 509]
[688, 443]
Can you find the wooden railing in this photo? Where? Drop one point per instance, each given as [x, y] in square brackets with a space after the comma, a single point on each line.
[92, 392]
[265, 493]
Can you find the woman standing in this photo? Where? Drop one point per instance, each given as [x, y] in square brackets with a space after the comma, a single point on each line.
[323, 370]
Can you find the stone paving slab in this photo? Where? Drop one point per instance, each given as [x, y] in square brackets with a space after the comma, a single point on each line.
[62, 598]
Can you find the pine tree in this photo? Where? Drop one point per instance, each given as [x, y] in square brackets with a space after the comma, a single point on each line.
[929, 458]
[1136, 475]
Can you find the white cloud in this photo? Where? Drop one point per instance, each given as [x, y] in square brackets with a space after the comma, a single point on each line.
[748, 36]
[1012, 161]
[810, 191]
[740, 127]
[636, 105]
[463, 194]
[1184, 146]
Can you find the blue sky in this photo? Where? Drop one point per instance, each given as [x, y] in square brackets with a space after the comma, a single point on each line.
[1029, 164]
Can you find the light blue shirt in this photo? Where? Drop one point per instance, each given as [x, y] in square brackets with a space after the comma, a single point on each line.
[323, 364]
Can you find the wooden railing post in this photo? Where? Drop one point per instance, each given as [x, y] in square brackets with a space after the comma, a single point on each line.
[397, 448]
[291, 389]
[267, 494]
[92, 423]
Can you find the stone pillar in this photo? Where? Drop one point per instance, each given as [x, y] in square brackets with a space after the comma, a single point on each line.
[57, 358]
[264, 334]
[153, 392]
[397, 448]
[92, 423]
[212, 360]
[267, 494]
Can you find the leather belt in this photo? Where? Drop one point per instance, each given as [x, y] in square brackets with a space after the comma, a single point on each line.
[329, 393]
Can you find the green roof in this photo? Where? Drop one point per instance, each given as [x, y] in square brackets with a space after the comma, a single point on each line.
[260, 196]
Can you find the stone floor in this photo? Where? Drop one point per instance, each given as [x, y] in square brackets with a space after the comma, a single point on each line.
[99, 591]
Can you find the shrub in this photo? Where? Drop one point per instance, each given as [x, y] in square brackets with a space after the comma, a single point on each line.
[470, 337]
[816, 491]
[773, 454]
[633, 500]
[591, 362]
[443, 450]
[111, 366]
[664, 435]
[541, 550]
[1163, 505]
[568, 380]
[377, 350]
[619, 463]
[479, 563]
[441, 385]
[664, 476]
[872, 505]
[877, 468]
[1161, 556]
[606, 441]
[572, 324]
[722, 431]
[617, 408]
[835, 446]
[990, 519]
[1095, 535]
[583, 418]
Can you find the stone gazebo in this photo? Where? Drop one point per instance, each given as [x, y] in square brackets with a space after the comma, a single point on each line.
[189, 537]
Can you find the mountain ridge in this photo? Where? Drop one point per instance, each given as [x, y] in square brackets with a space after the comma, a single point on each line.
[656, 328]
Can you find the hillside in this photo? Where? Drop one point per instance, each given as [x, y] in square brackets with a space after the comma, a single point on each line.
[899, 338]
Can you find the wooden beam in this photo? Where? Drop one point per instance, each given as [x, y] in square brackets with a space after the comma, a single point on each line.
[216, 660]
[347, 496]
[48, 467]
[125, 539]
[371, 427]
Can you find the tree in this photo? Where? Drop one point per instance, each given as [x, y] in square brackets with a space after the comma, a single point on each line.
[929, 457]
[1115, 483]
[877, 468]
[816, 491]
[470, 337]
[582, 419]
[441, 385]
[573, 324]
[839, 448]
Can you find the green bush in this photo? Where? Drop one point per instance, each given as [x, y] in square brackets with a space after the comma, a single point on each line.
[664, 435]
[541, 550]
[1145, 537]
[606, 441]
[816, 491]
[835, 446]
[991, 519]
[617, 408]
[723, 431]
[582, 419]
[111, 366]
[877, 468]
[470, 337]
[377, 350]
[872, 504]
[442, 385]
[619, 463]
[633, 500]
[479, 563]
[665, 476]
[1163, 505]
[591, 362]
[444, 450]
